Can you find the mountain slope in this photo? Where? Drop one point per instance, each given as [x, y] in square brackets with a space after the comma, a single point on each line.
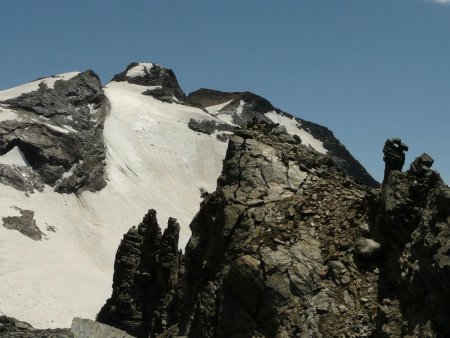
[152, 158]
[239, 108]
[80, 163]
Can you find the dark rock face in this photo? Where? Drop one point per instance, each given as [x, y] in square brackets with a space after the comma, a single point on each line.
[264, 259]
[25, 224]
[288, 246]
[12, 328]
[155, 75]
[255, 107]
[59, 135]
[146, 279]
[394, 156]
[21, 178]
[413, 225]
[208, 127]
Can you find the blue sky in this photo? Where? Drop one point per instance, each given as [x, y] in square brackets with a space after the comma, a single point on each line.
[368, 70]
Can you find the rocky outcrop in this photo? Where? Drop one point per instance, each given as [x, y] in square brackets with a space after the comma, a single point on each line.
[24, 223]
[58, 134]
[13, 328]
[209, 127]
[86, 328]
[163, 81]
[243, 107]
[271, 252]
[288, 246]
[271, 249]
[81, 328]
[412, 223]
[145, 300]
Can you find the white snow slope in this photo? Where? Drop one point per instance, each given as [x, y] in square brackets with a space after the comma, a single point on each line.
[153, 161]
[32, 86]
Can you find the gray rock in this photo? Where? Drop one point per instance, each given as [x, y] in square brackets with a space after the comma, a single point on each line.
[86, 328]
[169, 90]
[146, 277]
[25, 224]
[59, 135]
[13, 328]
[367, 248]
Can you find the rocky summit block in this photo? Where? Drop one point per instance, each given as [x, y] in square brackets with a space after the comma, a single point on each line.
[162, 81]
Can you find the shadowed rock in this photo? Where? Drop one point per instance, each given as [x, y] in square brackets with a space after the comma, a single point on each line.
[145, 282]
[59, 135]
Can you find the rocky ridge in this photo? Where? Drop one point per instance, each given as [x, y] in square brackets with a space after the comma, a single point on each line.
[288, 246]
[242, 107]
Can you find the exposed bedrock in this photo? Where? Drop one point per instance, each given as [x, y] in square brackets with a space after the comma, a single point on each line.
[58, 133]
[411, 220]
[288, 246]
[145, 298]
[163, 81]
[80, 328]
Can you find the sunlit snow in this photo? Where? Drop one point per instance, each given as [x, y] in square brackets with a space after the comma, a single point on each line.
[139, 70]
[32, 86]
[294, 128]
[14, 157]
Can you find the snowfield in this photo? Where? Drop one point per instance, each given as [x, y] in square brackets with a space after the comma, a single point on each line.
[153, 161]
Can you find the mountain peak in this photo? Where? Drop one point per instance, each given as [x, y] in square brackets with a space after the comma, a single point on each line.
[209, 97]
[162, 81]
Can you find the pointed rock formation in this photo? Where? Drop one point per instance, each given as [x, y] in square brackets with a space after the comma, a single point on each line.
[146, 279]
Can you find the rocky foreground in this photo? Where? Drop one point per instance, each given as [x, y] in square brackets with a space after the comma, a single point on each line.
[287, 246]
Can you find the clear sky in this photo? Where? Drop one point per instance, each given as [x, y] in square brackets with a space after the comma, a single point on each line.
[366, 69]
